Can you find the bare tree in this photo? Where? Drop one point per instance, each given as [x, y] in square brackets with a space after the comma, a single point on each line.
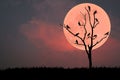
[93, 21]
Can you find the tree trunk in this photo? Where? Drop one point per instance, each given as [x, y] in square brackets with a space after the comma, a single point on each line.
[90, 59]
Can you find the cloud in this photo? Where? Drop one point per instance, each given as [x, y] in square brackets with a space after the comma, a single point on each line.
[39, 32]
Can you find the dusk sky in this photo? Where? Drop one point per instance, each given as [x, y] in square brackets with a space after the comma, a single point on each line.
[30, 35]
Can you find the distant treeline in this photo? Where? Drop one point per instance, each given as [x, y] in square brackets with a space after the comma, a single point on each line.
[44, 73]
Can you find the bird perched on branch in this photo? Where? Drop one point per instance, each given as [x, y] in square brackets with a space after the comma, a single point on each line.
[76, 34]
[94, 36]
[96, 19]
[76, 42]
[89, 8]
[95, 12]
[79, 23]
[106, 33]
[67, 27]
[88, 34]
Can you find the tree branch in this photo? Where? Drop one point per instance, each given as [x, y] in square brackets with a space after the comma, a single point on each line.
[73, 33]
[80, 44]
[96, 24]
[99, 41]
[84, 26]
[94, 20]
[77, 37]
[84, 33]
[91, 28]
[89, 17]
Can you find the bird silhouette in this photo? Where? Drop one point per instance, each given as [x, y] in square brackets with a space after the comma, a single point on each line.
[96, 19]
[77, 34]
[76, 42]
[88, 34]
[95, 12]
[89, 8]
[95, 36]
[67, 27]
[79, 23]
[106, 33]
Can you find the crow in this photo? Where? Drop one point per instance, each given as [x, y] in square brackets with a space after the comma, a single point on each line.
[76, 34]
[88, 34]
[95, 12]
[76, 42]
[95, 36]
[106, 33]
[67, 27]
[89, 8]
[96, 19]
[79, 23]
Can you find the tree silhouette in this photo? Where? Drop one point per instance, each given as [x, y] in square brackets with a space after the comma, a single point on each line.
[93, 21]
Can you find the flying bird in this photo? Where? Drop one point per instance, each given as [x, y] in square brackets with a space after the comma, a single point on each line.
[95, 12]
[106, 33]
[89, 8]
[76, 42]
[77, 34]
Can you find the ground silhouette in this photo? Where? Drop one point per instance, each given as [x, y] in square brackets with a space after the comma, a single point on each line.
[44, 73]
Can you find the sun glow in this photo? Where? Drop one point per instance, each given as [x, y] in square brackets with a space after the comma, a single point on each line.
[75, 18]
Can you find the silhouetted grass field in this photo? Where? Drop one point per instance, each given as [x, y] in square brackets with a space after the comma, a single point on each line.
[60, 74]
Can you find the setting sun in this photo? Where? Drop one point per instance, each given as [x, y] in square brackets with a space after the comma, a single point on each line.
[77, 14]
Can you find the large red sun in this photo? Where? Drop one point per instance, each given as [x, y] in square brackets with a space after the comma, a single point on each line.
[76, 14]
